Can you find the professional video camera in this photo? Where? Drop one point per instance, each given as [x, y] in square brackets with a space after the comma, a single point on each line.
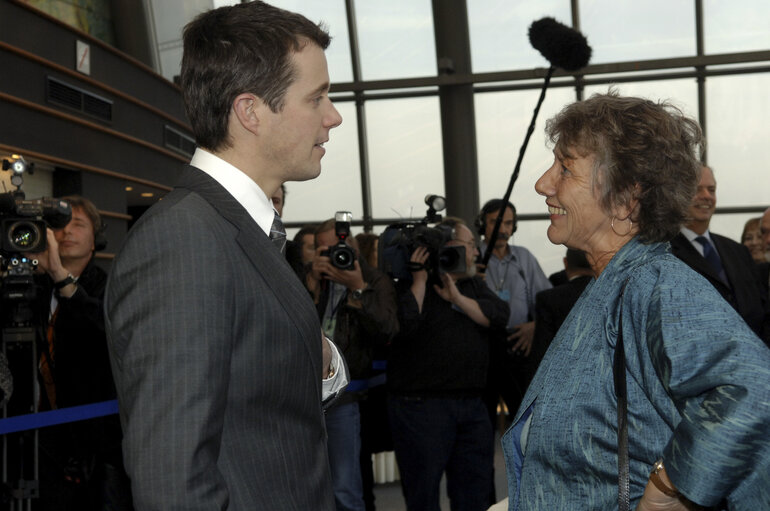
[23, 231]
[341, 255]
[399, 241]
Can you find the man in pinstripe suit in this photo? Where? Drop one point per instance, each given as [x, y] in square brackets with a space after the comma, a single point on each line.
[214, 343]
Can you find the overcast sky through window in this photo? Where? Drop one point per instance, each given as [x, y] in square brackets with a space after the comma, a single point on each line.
[396, 41]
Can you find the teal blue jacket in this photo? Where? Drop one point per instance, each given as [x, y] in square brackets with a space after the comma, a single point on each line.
[698, 393]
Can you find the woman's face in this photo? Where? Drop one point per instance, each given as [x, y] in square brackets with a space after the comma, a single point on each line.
[577, 219]
[753, 240]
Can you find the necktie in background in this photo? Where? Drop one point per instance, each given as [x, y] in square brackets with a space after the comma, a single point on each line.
[712, 256]
[277, 233]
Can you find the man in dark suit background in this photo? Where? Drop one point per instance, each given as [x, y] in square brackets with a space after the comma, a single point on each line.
[553, 305]
[725, 263]
[215, 345]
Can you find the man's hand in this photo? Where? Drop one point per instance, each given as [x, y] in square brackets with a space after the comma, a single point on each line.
[449, 292]
[323, 267]
[522, 338]
[326, 350]
[49, 261]
[419, 277]
[419, 257]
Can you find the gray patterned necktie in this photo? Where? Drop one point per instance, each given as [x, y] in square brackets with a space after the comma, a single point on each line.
[277, 233]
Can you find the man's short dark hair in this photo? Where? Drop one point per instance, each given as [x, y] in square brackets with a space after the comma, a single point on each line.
[235, 49]
[87, 207]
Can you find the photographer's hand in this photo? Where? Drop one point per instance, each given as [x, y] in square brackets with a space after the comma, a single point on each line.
[419, 277]
[466, 304]
[50, 262]
[523, 337]
[352, 279]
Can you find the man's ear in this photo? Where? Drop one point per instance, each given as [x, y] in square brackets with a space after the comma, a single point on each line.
[246, 109]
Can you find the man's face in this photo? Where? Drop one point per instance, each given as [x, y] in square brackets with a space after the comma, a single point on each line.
[308, 248]
[465, 239]
[764, 227]
[506, 227]
[76, 239]
[705, 201]
[294, 137]
[326, 238]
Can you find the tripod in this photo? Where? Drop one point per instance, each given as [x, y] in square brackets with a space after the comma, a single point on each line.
[20, 459]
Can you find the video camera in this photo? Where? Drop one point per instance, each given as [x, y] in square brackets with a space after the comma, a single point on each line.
[399, 241]
[23, 226]
[341, 255]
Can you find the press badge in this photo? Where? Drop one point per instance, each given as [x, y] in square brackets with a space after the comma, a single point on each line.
[504, 294]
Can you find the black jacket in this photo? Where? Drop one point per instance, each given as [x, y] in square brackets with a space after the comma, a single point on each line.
[359, 332]
[744, 293]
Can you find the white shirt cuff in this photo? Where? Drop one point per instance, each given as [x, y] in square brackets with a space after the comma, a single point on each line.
[339, 379]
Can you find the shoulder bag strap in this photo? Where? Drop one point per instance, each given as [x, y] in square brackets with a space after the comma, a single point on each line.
[619, 377]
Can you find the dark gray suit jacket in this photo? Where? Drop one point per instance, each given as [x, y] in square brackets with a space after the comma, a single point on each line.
[744, 292]
[215, 347]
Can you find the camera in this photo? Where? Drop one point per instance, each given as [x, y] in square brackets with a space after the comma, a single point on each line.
[23, 226]
[341, 255]
[400, 240]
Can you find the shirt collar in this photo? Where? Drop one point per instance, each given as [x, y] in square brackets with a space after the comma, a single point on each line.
[691, 235]
[239, 185]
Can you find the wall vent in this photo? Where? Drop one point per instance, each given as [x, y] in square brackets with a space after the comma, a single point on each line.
[178, 141]
[75, 98]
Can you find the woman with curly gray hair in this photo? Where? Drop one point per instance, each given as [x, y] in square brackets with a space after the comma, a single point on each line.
[650, 344]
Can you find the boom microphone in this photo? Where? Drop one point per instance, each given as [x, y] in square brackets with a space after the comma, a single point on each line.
[561, 45]
[564, 47]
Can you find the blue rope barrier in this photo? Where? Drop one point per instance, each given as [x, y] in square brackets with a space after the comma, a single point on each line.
[54, 417]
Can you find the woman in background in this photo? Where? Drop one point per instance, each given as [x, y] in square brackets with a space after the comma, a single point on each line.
[752, 238]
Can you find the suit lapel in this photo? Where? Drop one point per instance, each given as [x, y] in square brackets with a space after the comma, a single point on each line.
[684, 250]
[727, 258]
[263, 255]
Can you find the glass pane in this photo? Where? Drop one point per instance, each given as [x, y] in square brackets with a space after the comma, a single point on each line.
[622, 31]
[532, 235]
[682, 93]
[332, 14]
[338, 187]
[502, 119]
[737, 109]
[396, 39]
[499, 32]
[736, 26]
[730, 224]
[405, 155]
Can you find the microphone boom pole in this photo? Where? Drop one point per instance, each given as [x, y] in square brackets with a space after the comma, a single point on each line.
[563, 47]
[517, 168]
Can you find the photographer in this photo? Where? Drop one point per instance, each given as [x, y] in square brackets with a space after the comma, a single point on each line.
[436, 375]
[357, 307]
[80, 463]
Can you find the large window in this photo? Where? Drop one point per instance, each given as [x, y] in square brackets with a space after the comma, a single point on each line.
[398, 91]
[404, 155]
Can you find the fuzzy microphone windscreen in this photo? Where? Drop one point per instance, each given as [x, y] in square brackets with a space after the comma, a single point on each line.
[563, 46]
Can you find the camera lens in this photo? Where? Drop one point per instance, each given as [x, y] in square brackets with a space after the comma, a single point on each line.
[23, 235]
[448, 259]
[343, 259]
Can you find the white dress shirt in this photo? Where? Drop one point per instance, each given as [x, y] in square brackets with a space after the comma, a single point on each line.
[691, 235]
